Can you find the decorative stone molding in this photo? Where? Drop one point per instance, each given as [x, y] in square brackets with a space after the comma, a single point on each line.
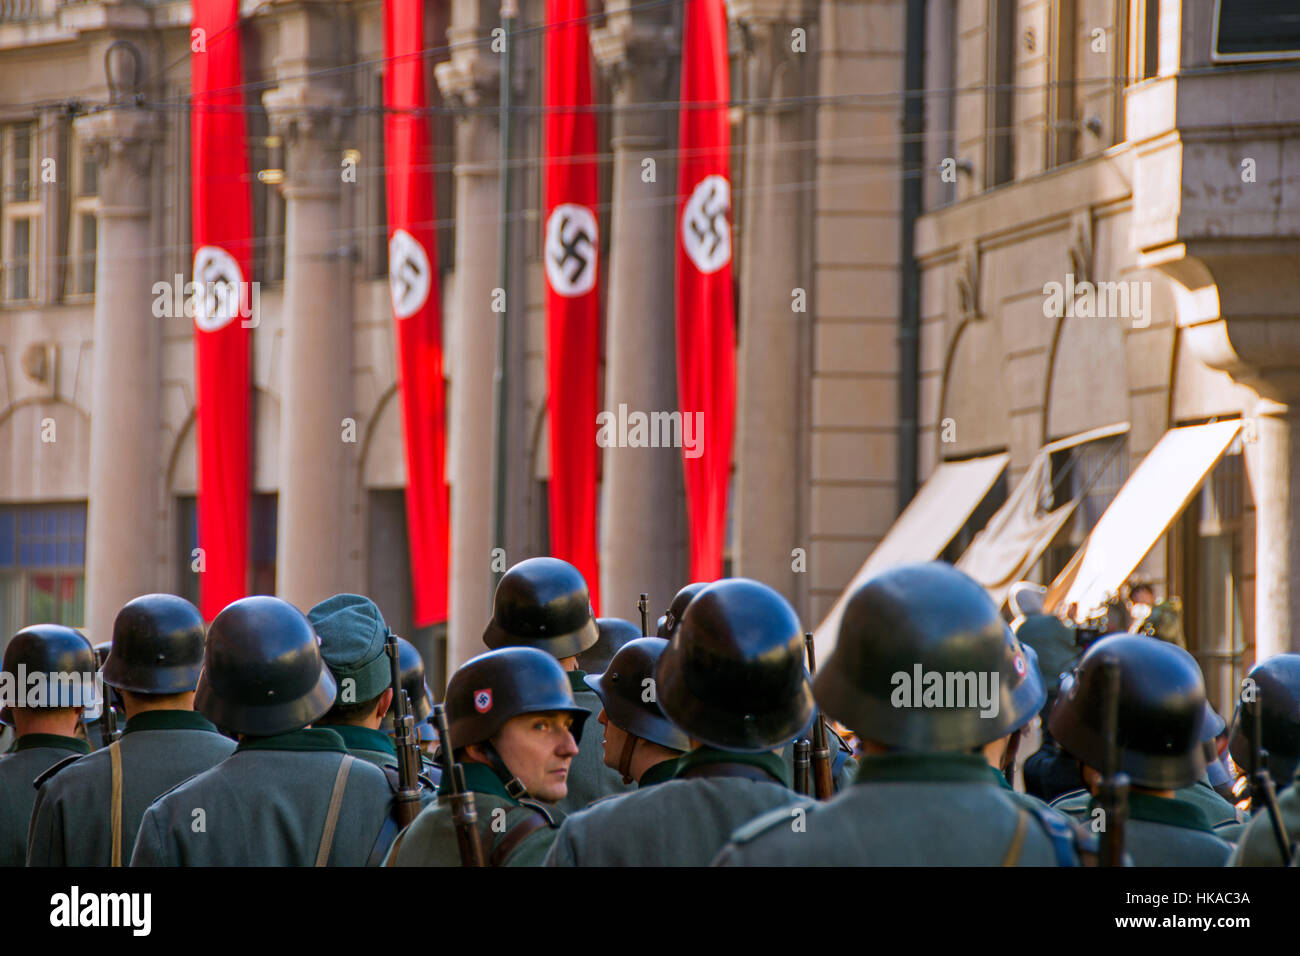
[968, 283]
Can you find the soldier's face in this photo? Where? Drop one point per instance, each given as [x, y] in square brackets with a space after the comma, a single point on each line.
[539, 750]
[612, 741]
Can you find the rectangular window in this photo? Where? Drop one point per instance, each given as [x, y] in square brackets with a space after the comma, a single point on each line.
[1001, 95]
[42, 562]
[262, 545]
[19, 266]
[19, 228]
[20, 182]
[1094, 472]
[1148, 34]
[83, 239]
[1256, 30]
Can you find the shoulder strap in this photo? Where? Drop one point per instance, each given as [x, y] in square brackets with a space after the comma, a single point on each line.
[51, 771]
[115, 806]
[521, 832]
[1017, 838]
[332, 816]
[1062, 834]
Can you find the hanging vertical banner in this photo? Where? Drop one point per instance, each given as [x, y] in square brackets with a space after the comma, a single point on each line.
[222, 301]
[706, 335]
[417, 313]
[572, 298]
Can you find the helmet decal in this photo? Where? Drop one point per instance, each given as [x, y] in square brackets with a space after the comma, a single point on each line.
[483, 700]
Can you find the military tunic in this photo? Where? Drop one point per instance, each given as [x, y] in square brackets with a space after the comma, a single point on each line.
[159, 749]
[589, 778]
[844, 766]
[31, 756]
[1256, 845]
[682, 822]
[922, 809]
[1160, 831]
[430, 840]
[376, 747]
[267, 805]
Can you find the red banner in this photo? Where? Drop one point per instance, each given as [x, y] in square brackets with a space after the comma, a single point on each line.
[222, 300]
[417, 312]
[706, 335]
[572, 296]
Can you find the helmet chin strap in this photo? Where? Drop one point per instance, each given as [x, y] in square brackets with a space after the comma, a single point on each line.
[512, 783]
[625, 756]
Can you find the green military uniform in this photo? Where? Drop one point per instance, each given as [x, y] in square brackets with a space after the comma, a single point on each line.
[1160, 831]
[268, 805]
[659, 773]
[71, 822]
[32, 755]
[968, 819]
[376, 747]
[1256, 844]
[589, 778]
[682, 822]
[512, 833]
[1219, 812]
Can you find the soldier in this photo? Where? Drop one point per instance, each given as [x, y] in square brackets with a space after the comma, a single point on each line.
[411, 670]
[48, 678]
[88, 810]
[514, 728]
[640, 742]
[681, 600]
[614, 633]
[1048, 772]
[288, 795]
[1277, 680]
[543, 603]
[1160, 727]
[927, 792]
[733, 679]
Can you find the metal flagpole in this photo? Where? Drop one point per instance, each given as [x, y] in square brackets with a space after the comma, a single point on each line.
[509, 12]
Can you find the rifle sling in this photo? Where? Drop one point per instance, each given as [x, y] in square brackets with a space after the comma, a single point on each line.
[1017, 839]
[522, 831]
[332, 815]
[115, 804]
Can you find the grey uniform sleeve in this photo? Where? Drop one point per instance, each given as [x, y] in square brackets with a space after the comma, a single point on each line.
[152, 845]
[562, 851]
[729, 855]
[45, 833]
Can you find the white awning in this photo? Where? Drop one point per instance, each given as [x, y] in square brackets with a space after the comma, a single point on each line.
[1016, 536]
[1147, 504]
[923, 530]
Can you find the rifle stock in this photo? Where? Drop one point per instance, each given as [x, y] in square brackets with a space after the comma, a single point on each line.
[823, 781]
[464, 815]
[1262, 791]
[406, 804]
[1112, 793]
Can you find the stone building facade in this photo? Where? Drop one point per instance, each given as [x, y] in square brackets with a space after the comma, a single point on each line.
[1045, 154]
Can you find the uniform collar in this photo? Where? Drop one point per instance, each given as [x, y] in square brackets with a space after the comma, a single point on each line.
[363, 738]
[704, 754]
[480, 778]
[660, 772]
[925, 768]
[168, 720]
[313, 739]
[577, 681]
[53, 742]
[1175, 812]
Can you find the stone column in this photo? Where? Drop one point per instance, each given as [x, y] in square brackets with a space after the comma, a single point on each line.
[1277, 535]
[316, 351]
[641, 530]
[124, 473]
[769, 453]
[470, 78]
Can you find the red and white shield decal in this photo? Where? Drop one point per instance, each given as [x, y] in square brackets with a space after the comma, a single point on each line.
[483, 701]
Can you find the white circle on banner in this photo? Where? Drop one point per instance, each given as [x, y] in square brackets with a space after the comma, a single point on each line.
[409, 275]
[571, 244]
[218, 283]
[706, 234]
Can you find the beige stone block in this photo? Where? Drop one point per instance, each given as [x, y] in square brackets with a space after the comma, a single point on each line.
[1149, 353]
[1024, 327]
[859, 187]
[934, 346]
[936, 288]
[835, 562]
[864, 511]
[1024, 437]
[855, 293]
[853, 401]
[971, 15]
[861, 26]
[853, 239]
[854, 455]
[1026, 381]
[855, 347]
[1148, 413]
[868, 74]
[852, 132]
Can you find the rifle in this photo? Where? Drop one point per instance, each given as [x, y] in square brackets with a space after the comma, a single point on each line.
[1112, 792]
[407, 742]
[643, 605]
[1262, 792]
[801, 765]
[464, 816]
[823, 782]
[108, 718]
